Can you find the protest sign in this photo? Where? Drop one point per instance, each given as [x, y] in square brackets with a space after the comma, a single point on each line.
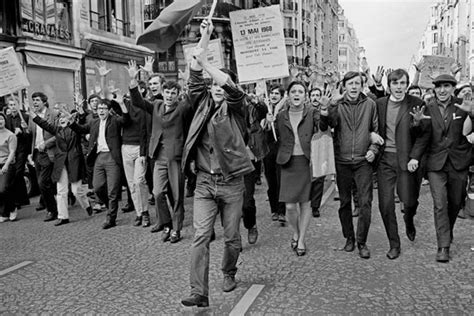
[259, 44]
[12, 77]
[214, 54]
[432, 67]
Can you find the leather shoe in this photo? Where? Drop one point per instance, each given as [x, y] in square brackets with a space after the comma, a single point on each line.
[229, 283]
[165, 235]
[128, 208]
[409, 227]
[50, 217]
[146, 219]
[109, 224]
[253, 235]
[89, 210]
[350, 245]
[196, 300]
[364, 252]
[393, 253]
[442, 255]
[138, 221]
[61, 221]
[175, 237]
[157, 228]
[40, 207]
[316, 212]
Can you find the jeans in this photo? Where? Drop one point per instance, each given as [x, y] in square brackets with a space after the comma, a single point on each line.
[135, 170]
[19, 185]
[361, 173]
[215, 195]
[78, 189]
[249, 210]
[106, 182]
[447, 189]
[168, 179]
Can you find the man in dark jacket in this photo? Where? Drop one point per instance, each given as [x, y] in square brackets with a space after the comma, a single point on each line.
[215, 142]
[104, 152]
[170, 120]
[354, 116]
[449, 156]
[399, 131]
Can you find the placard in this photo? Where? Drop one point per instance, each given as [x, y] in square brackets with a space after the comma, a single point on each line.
[214, 54]
[432, 67]
[12, 77]
[259, 44]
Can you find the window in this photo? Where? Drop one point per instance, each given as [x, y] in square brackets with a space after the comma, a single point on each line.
[7, 17]
[435, 38]
[111, 16]
[435, 51]
[342, 51]
[342, 38]
[47, 19]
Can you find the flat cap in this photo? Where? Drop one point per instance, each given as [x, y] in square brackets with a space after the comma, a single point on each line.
[445, 78]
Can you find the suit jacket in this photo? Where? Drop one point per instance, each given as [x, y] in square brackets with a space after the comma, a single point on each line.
[113, 132]
[24, 138]
[405, 130]
[443, 137]
[49, 139]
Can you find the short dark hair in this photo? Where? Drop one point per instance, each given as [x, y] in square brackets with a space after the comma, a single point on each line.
[397, 74]
[415, 87]
[92, 96]
[351, 75]
[316, 89]
[160, 76]
[171, 85]
[42, 96]
[3, 115]
[278, 87]
[297, 82]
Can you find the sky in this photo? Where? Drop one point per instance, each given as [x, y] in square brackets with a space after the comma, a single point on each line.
[389, 30]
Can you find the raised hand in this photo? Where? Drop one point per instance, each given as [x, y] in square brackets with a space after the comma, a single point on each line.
[148, 64]
[467, 103]
[378, 75]
[455, 68]
[325, 99]
[132, 69]
[337, 95]
[419, 114]
[206, 27]
[101, 66]
[418, 66]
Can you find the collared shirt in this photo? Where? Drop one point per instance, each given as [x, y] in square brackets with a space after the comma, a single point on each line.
[39, 131]
[101, 141]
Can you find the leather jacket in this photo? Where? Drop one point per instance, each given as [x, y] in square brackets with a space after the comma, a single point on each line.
[227, 127]
[352, 125]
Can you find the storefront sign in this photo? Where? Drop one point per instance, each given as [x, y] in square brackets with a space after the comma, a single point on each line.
[259, 44]
[12, 77]
[214, 54]
[50, 30]
[51, 61]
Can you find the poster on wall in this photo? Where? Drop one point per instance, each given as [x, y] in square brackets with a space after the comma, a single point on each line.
[12, 77]
[259, 44]
[214, 54]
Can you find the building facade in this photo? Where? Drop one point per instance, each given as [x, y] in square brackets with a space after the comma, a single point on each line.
[349, 51]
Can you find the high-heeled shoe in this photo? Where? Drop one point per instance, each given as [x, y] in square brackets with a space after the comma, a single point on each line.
[294, 244]
[300, 252]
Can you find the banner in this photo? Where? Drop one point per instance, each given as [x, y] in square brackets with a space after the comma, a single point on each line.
[259, 44]
[12, 77]
[432, 67]
[214, 54]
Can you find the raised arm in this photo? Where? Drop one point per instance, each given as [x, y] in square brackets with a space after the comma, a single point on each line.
[135, 95]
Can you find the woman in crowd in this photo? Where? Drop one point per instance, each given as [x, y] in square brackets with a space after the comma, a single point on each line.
[7, 157]
[69, 165]
[295, 127]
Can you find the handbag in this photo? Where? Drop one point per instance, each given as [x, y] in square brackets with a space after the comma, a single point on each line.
[322, 154]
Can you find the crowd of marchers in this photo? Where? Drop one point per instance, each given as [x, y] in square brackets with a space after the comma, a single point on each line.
[218, 138]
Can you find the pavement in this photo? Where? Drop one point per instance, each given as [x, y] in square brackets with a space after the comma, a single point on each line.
[79, 268]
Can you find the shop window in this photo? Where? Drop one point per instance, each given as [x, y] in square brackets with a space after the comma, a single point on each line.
[111, 16]
[47, 19]
[7, 17]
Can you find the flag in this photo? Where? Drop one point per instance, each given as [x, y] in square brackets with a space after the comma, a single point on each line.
[162, 33]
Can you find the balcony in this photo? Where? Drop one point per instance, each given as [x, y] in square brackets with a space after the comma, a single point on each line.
[151, 11]
[290, 6]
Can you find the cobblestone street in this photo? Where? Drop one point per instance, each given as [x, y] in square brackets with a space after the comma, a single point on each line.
[81, 269]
